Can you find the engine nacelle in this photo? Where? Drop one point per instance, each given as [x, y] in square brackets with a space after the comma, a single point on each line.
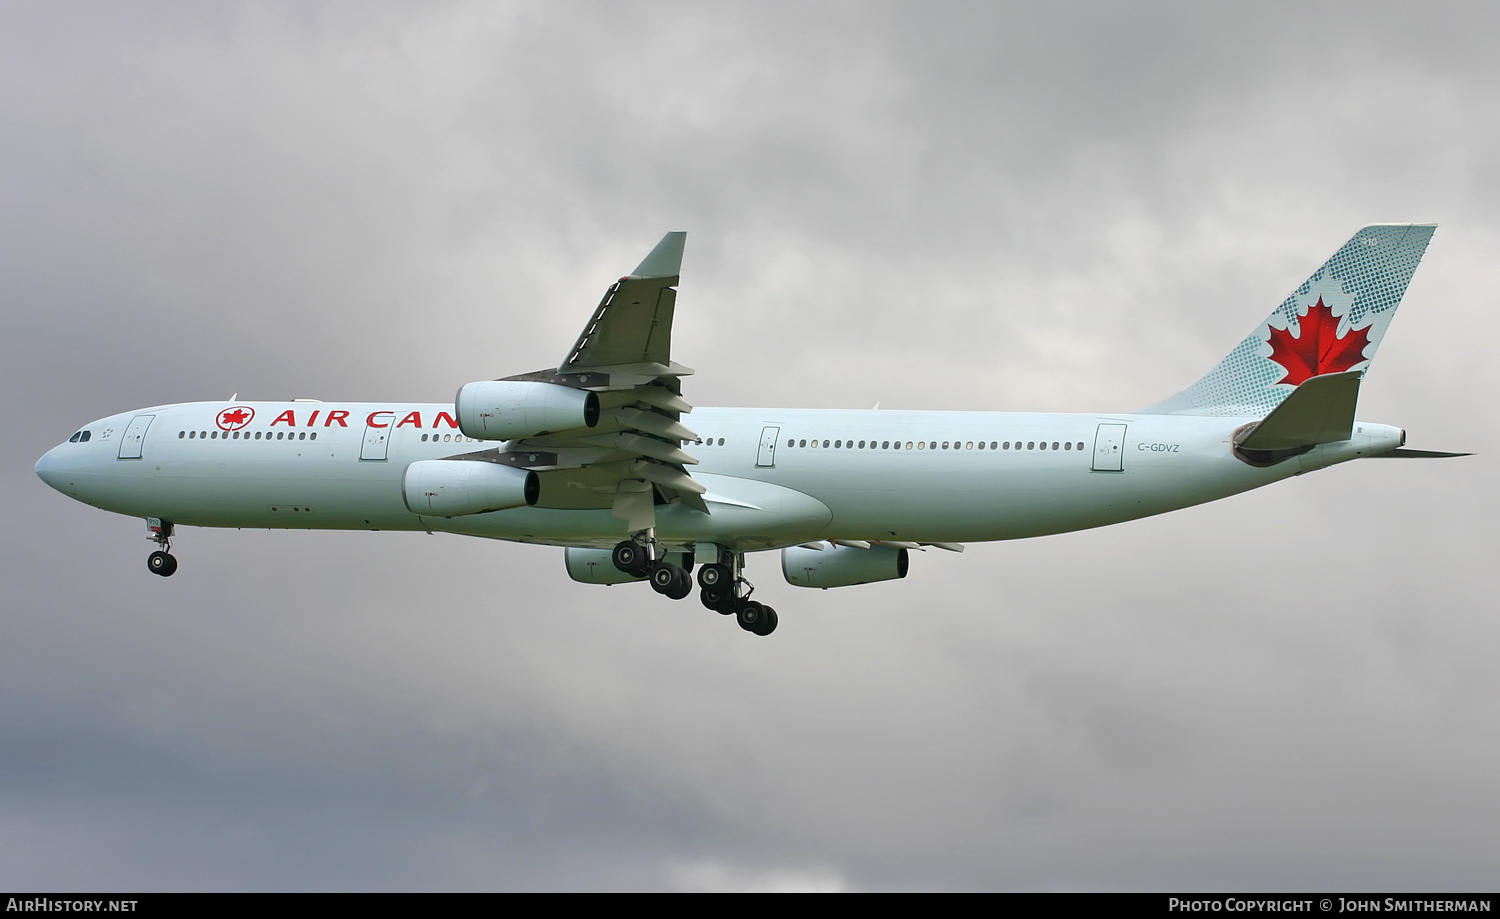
[513, 409]
[842, 566]
[455, 488]
[595, 566]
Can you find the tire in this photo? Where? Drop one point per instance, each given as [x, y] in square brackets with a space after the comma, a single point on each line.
[750, 614]
[681, 587]
[665, 577]
[718, 598]
[160, 563]
[767, 624]
[713, 575]
[629, 557]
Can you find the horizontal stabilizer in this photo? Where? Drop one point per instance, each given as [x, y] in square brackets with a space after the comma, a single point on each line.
[1319, 411]
[1403, 453]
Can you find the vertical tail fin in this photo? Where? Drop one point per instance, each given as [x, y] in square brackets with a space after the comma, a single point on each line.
[1333, 323]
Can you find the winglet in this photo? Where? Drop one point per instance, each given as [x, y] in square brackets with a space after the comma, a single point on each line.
[665, 261]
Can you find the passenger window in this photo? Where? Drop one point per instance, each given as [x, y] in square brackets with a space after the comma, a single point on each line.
[302, 436]
[180, 435]
[1031, 445]
[837, 444]
[1054, 445]
[970, 445]
[314, 436]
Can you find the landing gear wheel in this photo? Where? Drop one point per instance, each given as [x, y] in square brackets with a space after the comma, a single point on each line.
[630, 557]
[718, 598]
[671, 581]
[752, 615]
[713, 575]
[161, 563]
[768, 625]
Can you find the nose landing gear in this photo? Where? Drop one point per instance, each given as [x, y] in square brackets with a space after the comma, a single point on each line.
[161, 562]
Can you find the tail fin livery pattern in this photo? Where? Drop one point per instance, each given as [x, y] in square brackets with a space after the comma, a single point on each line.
[1333, 323]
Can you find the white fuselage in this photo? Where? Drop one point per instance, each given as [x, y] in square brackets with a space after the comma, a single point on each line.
[873, 475]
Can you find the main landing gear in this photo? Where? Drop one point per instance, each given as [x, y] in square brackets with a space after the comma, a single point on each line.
[721, 586]
[162, 561]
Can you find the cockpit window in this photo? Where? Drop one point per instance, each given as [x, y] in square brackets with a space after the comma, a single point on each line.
[82, 437]
[74, 438]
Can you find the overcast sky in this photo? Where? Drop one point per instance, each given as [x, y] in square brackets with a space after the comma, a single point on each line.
[980, 206]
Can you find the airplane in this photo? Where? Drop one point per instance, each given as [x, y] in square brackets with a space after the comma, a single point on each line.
[594, 455]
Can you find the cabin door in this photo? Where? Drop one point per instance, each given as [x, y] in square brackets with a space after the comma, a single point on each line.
[135, 436]
[766, 457]
[1109, 448]
[377, 439]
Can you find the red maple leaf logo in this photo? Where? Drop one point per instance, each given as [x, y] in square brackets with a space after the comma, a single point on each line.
[1319, 349]
[232, 419]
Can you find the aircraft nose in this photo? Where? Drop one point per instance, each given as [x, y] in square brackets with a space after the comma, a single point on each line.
[47, 468]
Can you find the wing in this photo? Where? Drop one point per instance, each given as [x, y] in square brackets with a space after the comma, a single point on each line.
[633, 459]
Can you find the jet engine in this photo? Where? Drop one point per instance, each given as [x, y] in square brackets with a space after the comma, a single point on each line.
[596, 566]
[513, 409]
[842, 566]
[454, 488]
